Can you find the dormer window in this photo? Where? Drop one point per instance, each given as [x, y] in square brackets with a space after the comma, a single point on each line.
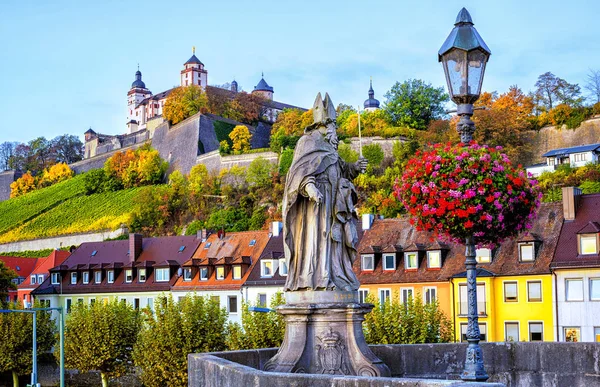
[73, 278]
[98, 276]
[40, 278]
[128, 275]
[434, 259]
[86, 277]
[389, 262]
[187, 274]
[266, 268]
[283, 269]
[237, 272]
[161, 275]
[204, 274]
[527, 252]
[588, 244]
[33, 279]
[54, 278]
[141, 275]
[410, 260]
[220, 272]
[483, 255]
[110, 276]
[367, 262]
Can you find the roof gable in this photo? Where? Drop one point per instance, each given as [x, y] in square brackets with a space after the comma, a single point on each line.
[570, 150]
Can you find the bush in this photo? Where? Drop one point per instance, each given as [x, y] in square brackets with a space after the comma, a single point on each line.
[560, 114]
[347, 154]
[577, 117]
[55, 174]
[194, 227]
[285, 161]
[374, 154]
[22, 185]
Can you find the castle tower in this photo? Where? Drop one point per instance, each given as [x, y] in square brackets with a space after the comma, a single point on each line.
[135, 95]
[193, 72]
[263, 89]
[371, 104]
[234, 86]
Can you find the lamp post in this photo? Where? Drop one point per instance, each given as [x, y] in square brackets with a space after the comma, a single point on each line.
[464, 56]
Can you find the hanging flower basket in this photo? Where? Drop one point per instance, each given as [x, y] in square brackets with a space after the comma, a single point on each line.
[458, 191]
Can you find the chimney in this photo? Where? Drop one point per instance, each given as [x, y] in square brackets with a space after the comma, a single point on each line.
[202, 235]
[367, 221]
[570, 199]
[135, 246]
[277, 228]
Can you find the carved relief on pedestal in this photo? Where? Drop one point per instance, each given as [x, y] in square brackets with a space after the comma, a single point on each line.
[331, 354]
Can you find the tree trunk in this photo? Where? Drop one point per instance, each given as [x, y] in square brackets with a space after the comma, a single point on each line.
[15, 379]
[104, 379]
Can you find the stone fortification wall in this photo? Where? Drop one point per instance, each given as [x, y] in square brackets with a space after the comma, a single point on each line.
[215, 162]
[522, 364]
[386, 144]
[99, 160]
[6, 178]
[61, 241]
[178, 144]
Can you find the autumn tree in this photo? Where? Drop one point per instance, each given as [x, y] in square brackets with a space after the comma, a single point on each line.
[240, 137]
[288, 128]
[22, 185]
[100, 337]
[55, 174]
[177, 328]
[184, 102]
[16, 339]
[415, 103]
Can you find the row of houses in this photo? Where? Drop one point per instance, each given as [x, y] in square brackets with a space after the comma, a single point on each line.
[540, 286]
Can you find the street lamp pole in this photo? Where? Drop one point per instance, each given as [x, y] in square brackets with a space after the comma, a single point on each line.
[464, 56]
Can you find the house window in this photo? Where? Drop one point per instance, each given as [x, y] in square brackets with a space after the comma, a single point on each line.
[141, 275]
[162, 274]
[410, 260]
[384, 295]
[266, 268]
[463, 304]
[597, 334]
[283, 269]
[203, 273]
[187, 274]
[136, 303]
[587, 244]
[232, 306]
[434, 259]
[511, 331]
[73, 278]
[536, 331]
[262, 300]
[572, 334]
[574, 288]
[534, 291]
[68, 305]
[237, 272]
[483, 255]
[367, 262]
[362, 295]
[482, 332]
[40, 278]
[86, 277]
[33, 279]
[595, 289]
[54, 277]
[405, 295]
[110, 276]
[511, 292]
[389, 262]
[526, 252]
[220, 272]
[128, 275]
[97, 277]
[430, 295]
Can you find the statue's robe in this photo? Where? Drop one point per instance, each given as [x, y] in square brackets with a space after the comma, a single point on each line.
[320, 239]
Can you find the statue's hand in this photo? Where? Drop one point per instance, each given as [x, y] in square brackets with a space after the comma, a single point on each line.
[362, 164]
[314, 194]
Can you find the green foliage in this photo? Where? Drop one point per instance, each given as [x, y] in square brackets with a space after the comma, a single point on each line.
[129, 169]
[176, 329]
[415, 103]
[194, 227]
[347, 154]
[6, 276]
[410, 323]
[222, 130]
[259, 173]
[97, 181]
[16, 339]
[100, 337]
[230, 219]
[403, 151]
[590, 187]
[285, 161]
[29, 253]
[258, 219]
[258, 330]
[374, 154]
[184, 102]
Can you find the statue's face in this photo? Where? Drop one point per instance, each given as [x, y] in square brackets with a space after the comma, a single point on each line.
[331, 135]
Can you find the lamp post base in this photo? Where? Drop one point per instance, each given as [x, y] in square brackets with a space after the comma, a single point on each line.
[325, 337]
[474, 371]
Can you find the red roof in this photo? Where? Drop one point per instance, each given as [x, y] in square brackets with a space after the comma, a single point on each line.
[22, 266]
[44, 265]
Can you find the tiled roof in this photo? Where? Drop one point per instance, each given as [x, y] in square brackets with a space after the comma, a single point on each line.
[573, 149]
[233, 248]
[22, 266]
[44, 265]
[193, 60]
[586, 219]
[273, 250]
[386, 232]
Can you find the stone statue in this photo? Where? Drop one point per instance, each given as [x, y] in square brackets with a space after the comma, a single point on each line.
[318, 209]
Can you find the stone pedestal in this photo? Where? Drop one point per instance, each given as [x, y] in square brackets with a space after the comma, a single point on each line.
[323, 335]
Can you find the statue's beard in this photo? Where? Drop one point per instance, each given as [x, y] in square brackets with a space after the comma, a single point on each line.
[332, 139]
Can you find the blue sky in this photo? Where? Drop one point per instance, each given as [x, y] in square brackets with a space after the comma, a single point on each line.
[67, 65]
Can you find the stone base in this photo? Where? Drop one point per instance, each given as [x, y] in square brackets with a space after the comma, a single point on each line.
[325, 337]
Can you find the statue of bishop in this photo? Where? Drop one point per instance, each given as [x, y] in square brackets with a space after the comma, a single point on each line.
[319, 214]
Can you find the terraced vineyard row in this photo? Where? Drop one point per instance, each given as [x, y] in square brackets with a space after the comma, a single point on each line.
[104, 211]
[15, 212]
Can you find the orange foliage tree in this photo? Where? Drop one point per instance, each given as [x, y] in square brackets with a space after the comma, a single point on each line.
[184, 102]
[22, 185]
[55, 174]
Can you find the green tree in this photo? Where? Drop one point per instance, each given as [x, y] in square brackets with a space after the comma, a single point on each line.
[552, 90]
[16, 340]
[374, 154]
[100, 337]
[415, 103]
[176, 329]
[259, 173]
[6, 276]
[347, 154]
[67, 148]
[258, 330]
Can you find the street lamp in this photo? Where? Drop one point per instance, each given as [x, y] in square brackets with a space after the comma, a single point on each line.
[464, 56]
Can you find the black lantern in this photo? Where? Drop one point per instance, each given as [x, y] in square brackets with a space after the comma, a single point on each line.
[464, 55]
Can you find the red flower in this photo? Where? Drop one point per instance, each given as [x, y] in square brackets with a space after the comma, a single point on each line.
[468, 224]
[487, 181]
